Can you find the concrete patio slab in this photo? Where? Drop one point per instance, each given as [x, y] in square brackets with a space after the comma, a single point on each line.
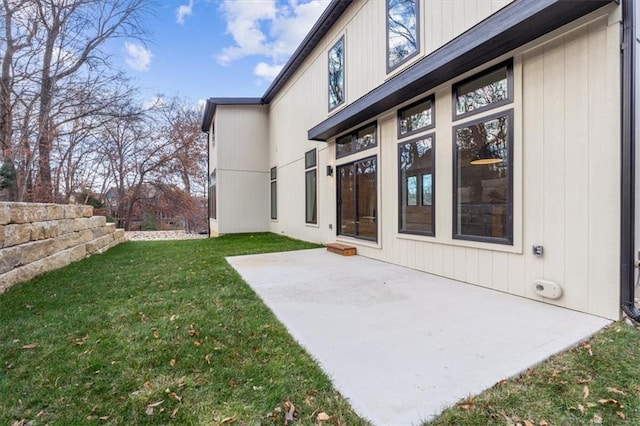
[401, 344]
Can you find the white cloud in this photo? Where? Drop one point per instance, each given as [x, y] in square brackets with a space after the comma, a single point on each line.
[266, 71]
[183, 11]
[138, 56]
[269, 29]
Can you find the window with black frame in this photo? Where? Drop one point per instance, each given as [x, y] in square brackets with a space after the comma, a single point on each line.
[336, 74]
[416, 167]
[311, 187]
[357, 184]
[402, 32]
[483, 178]
[483, 157]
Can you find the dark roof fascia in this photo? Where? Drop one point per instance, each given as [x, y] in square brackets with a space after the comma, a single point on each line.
[518, 23]
[328, 18]
[212, 104]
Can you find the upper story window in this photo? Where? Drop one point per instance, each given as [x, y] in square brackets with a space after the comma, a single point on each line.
[336, 74]
[402, 31]
[416, 117]
[485, 91]
[360, 140]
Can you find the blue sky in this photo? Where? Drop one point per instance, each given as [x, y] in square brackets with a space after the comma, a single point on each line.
[216, 48]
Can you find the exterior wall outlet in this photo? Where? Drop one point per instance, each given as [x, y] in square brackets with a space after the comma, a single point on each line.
[547, 289]
[538, 250]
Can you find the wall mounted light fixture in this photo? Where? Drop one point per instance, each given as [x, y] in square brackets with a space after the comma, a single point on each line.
[329, 171]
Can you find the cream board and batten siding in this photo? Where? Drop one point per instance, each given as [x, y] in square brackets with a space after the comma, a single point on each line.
[243, 172]
[567, 137]
[213, 165]
[294, 110]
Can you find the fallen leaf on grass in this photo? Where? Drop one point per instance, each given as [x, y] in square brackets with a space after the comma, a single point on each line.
[156, 334]
[172, 363]
[232, 383]
[227, 420]
[288, 415]
[466, 405]
[208, 358]
[528, 423]
[80, 341]
[175, 396]
[147, 385]
[585, 392]
[150, 407]
[621, 415]
[581, 408]
[197, 343]
[543, 423]
[174, 412]
[597, 420]
[587, 346]
[323, 417]
[610, 401]
[30, 346]
[104, 418]
[615, 390]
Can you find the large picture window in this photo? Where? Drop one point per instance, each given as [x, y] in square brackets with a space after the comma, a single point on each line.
[358, 199]
[489, 89]
[416, 179]
[483, 179]
[311, 193]
[336, 74]
[402, 32]
[274, 193]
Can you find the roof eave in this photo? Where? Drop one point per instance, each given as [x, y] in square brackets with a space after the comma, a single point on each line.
[517, 24]
[212, 104]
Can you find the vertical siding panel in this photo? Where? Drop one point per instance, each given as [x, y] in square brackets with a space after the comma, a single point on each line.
[419, 256]
[516, 274]
[428, 257]
[449, 261]
[438, 259]
[471, 265]
[434, 31]
[460, 264]
[446, 25]
[484, 9]
[485, 268]
[501, 271]
[470, 13]
[533, 173]
[577, 171]
[554, 164]
[411, 254]
[604, 154]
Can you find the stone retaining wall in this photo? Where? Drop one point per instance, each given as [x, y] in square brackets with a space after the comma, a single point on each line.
[37, 238]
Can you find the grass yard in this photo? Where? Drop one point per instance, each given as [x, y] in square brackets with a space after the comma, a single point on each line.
[168, 333]
[156, 333]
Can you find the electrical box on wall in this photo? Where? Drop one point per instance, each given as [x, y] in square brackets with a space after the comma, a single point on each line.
[547, 289]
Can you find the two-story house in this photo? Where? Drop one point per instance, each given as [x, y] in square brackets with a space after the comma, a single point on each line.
[488, 141]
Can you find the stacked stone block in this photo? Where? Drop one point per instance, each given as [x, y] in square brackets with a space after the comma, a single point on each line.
[37, 238]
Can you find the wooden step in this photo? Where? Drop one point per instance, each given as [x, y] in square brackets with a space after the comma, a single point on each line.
[342, 249]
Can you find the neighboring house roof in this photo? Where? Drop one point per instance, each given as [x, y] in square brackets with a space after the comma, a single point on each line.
[516, 24]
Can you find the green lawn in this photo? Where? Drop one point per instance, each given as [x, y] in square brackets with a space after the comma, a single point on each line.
[156, 333]
[168, 333]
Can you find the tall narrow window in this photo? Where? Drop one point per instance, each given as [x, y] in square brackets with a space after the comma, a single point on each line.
[336, 74]
[483, 179]
[274, 193]
[415, 177]
[358, 199]
[402, 32]
[213, 211]
[311, 193]
[489, 89]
